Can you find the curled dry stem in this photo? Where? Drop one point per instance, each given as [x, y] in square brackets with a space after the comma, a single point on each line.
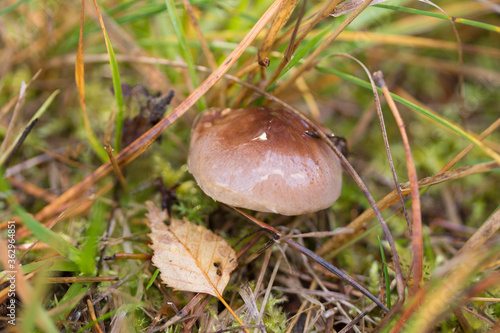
[417, 238]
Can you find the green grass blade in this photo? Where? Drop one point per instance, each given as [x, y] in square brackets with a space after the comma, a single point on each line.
[95, 144]
[183, 45]
[117, 87]
[124, 308]
[438, 119]
[73, 295]
[12, 7]
[48, 237]
[89, 250]
[37, 115]
[115, 74]
[153, 278]
[476, 24]
[45, 235]
[302, 50]
[386, 275]
[52, 265]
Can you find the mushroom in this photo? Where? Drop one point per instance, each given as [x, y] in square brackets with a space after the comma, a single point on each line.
[268, 160]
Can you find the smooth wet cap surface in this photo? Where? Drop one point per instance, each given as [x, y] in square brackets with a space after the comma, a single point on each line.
[262, 159]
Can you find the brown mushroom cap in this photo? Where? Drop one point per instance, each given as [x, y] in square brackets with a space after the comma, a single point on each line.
[262, 159]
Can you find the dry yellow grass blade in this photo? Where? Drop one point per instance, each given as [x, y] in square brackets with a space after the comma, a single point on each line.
[311, 58]
[445, 293]
[359, 224]
[279, 21]
[483, 234]
[189, 256]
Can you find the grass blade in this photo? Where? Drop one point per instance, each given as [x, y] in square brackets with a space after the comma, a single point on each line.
[426, 113]
[70, 299]
[80, 84]
[472, 23]
[302, 51]
[48, 236]
[45, 235]
[89, 249]
[117, 87]
[12, 7]
[183, 45]
[153, 278]
[312, 57]
[386, 275]
[53, 265]
[37, 115]
[124, 308]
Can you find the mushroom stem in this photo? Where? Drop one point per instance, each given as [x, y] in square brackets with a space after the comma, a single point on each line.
[341, 274]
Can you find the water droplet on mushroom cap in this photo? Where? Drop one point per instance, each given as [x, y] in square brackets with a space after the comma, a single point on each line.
[262, 159]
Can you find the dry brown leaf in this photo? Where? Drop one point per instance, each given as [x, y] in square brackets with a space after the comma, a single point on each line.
[189, 257]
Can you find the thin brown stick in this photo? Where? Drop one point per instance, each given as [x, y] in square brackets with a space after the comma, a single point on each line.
[6, 108]
[116, 168]
[409, 310]
[141, 144]
[65, 160]
[290, 49]
[79, 279]
[384, 135]
[262, 272]
[453, 174]
[67, 210]
[119, 283]
[279, 21]
[360, 316]
[140, 256]
[473, 138]
[294, 44]
[16, 113]
[477, 315]
[26, 164]
[32, 189]
[90, 307]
